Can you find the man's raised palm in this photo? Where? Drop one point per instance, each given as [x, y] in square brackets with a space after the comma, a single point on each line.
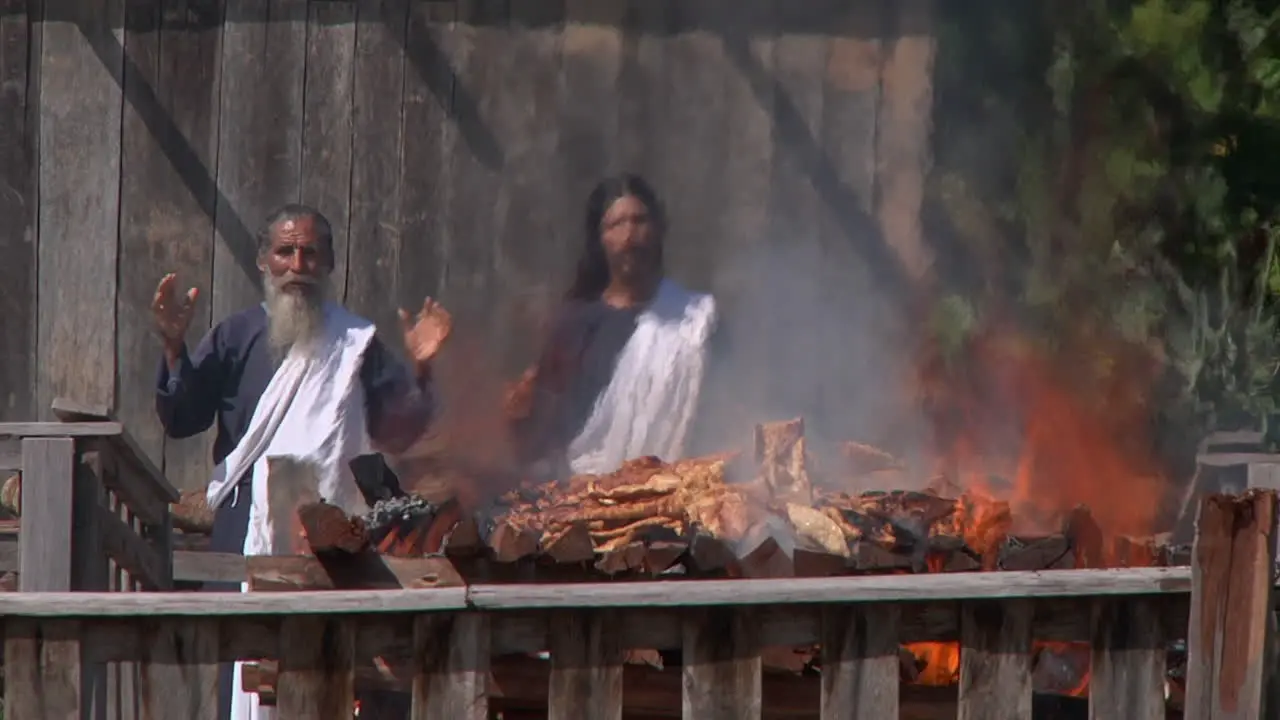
[173, 312]
[425, 331]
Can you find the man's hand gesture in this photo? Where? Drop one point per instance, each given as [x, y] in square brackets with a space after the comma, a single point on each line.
[172, 314]
[425, 332]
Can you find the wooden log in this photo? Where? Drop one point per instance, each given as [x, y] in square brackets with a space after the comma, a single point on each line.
[573, 545]
[586, 672]
[1232, 596]
[317, 667]
[780, 455]
[1086, 538]
[1127, 679]
[995, 660]
[1046, 553]
[510, 542]
[330, 530]
[366, 571]
[861, 663]
[721, 665]
[451, 656]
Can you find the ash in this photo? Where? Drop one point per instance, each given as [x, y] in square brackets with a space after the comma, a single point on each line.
[403, 509]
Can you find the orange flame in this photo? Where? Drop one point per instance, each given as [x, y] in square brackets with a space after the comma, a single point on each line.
[1027, 435]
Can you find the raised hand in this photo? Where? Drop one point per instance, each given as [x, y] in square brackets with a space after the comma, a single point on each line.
[426, 331]
[172, 312]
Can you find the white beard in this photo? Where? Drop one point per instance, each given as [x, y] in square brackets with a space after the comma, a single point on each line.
[293, 318]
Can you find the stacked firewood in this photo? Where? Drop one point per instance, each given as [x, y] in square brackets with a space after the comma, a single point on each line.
[734, 514]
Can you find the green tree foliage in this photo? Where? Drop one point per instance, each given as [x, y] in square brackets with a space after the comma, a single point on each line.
[1114, 166]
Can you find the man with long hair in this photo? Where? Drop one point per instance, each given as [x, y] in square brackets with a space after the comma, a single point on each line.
[621, 375]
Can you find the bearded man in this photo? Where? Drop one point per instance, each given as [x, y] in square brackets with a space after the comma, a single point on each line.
[296, 376]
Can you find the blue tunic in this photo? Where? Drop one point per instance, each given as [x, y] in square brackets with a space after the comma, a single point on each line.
[223, 379]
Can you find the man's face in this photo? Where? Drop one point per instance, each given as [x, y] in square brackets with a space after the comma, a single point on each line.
[297, 262]
[630, 238]
[295, 279]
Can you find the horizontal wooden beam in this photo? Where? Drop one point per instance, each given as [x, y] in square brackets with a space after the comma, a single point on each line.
[782, 591]
[860, 589]
[60, 429]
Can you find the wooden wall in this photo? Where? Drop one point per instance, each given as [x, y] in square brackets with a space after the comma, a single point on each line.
[453, 144]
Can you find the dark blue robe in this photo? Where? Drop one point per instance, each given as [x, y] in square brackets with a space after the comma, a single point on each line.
[220, 383]
[223, 379]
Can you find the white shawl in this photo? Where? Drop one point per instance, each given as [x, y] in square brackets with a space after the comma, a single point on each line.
[312, 411]
[649, 403]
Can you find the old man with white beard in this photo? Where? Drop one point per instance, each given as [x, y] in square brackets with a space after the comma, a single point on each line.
[296, 376]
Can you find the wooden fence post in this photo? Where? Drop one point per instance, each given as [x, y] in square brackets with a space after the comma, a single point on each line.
[1231, 596]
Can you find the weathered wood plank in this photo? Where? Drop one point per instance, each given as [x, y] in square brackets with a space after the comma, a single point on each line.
[642, 88]
[530, 83]
[364, 572]
[168, 196]
[99, 604]
[46, 530]
[1127, 679]
[586, 667]
[721, 665]
[1232, 597]
[259, 137]
[860, 662]
[19, 137]
[451, 654]
[587, 112]
[168, 122]
[995, 660]
[60, 429]
[905, 116]
[199, 566]
[435, 48]
[42, 670]
[794, 253]
[80, 69]
[378, 91]
[10, 456]
[478, 53]
[736, 390]
[327, 123]
[317, 668]
[89, 559]
[179, 671]
[696, 120]
[852, 293]
[893, 588]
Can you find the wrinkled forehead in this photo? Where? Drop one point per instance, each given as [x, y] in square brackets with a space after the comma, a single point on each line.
[295, 231]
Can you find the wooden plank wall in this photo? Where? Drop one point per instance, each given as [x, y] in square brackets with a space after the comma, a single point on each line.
[452, 144]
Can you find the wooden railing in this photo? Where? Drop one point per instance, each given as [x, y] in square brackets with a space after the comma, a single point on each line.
[94, 508]
[447, 646]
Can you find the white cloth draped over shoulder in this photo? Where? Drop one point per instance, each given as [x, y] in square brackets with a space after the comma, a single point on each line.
[312, 411]
[649, 404]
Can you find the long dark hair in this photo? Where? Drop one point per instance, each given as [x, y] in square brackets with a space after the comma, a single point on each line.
[592, 275]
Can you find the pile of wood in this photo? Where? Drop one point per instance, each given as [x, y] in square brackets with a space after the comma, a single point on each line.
[731, 515]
